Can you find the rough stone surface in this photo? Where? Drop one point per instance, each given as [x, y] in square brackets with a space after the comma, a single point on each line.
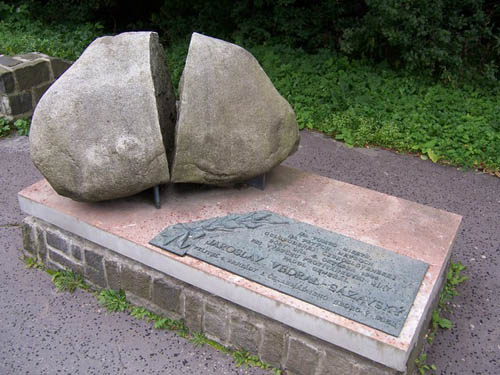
[233, 124]
[166, 294]
[29, 56]
[32, 74]
[18, 103]
[133, 279]
[7, 83]
[273, 343]
[302, 357]
[244, 334]
[59, 66]
[112, 274]
[215, 320]
[8, 61]
[65, 262]
[93, 259]
[98, 132]
[96, 276]
[42, 246]
[28, 236]
[37, 93]
[193, 310]
[55, 240]
[76, 251]
[333, 363]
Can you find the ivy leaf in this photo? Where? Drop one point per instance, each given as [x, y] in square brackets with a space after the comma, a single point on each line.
[445, 323]
[433, 156]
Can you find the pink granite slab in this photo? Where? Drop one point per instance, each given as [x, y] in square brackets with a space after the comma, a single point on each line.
[405, 227]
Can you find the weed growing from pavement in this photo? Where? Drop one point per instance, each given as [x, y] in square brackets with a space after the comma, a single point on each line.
[422, 366]
[116, 301]
[453, 279]
[113, 300]
[22, 126]
[32, 262]
[67, 280]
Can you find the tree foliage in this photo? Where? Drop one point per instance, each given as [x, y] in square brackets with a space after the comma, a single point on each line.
[449, 39]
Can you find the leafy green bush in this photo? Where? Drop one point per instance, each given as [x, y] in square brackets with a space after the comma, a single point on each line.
[20, 32]
[22, 126]
[444, 37]
[353, 100]
[450, 39]
[362, 104]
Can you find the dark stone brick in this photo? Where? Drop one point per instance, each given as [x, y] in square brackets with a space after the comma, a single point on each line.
[19, 104]
[76, 251]
[272, 349]
[193, 310]
[93, 259]
[334, 362]
[4, 105]
[65, 262]
[41, 244]
[29, 56]
[244, 334]
[166, 294]
[135, 281]
[59, 66]
[112, 274]
[95, 276]
[57, 241]
[28, 238]
[38, 92]
[7, 84]
[31, 75]
[215, 319]
[9, 61]
[53, 266]
[377, 369]
[302, 358]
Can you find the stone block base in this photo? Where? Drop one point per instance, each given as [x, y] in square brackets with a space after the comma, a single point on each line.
[108, 243]
[221, 320]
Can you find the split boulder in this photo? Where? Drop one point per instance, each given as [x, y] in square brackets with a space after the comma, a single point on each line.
[101, 130]
[233, 124]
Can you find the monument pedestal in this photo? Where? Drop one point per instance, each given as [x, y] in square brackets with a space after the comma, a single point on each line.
[108, 243]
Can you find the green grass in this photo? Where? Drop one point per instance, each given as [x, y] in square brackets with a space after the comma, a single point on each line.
[21, 33]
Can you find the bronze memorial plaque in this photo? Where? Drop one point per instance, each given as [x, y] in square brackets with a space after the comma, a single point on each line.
[359, 281]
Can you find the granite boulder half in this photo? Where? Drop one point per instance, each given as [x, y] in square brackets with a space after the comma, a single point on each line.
[233, 124]
[101, 130]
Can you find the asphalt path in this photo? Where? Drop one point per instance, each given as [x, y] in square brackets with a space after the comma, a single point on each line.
[46, 332]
